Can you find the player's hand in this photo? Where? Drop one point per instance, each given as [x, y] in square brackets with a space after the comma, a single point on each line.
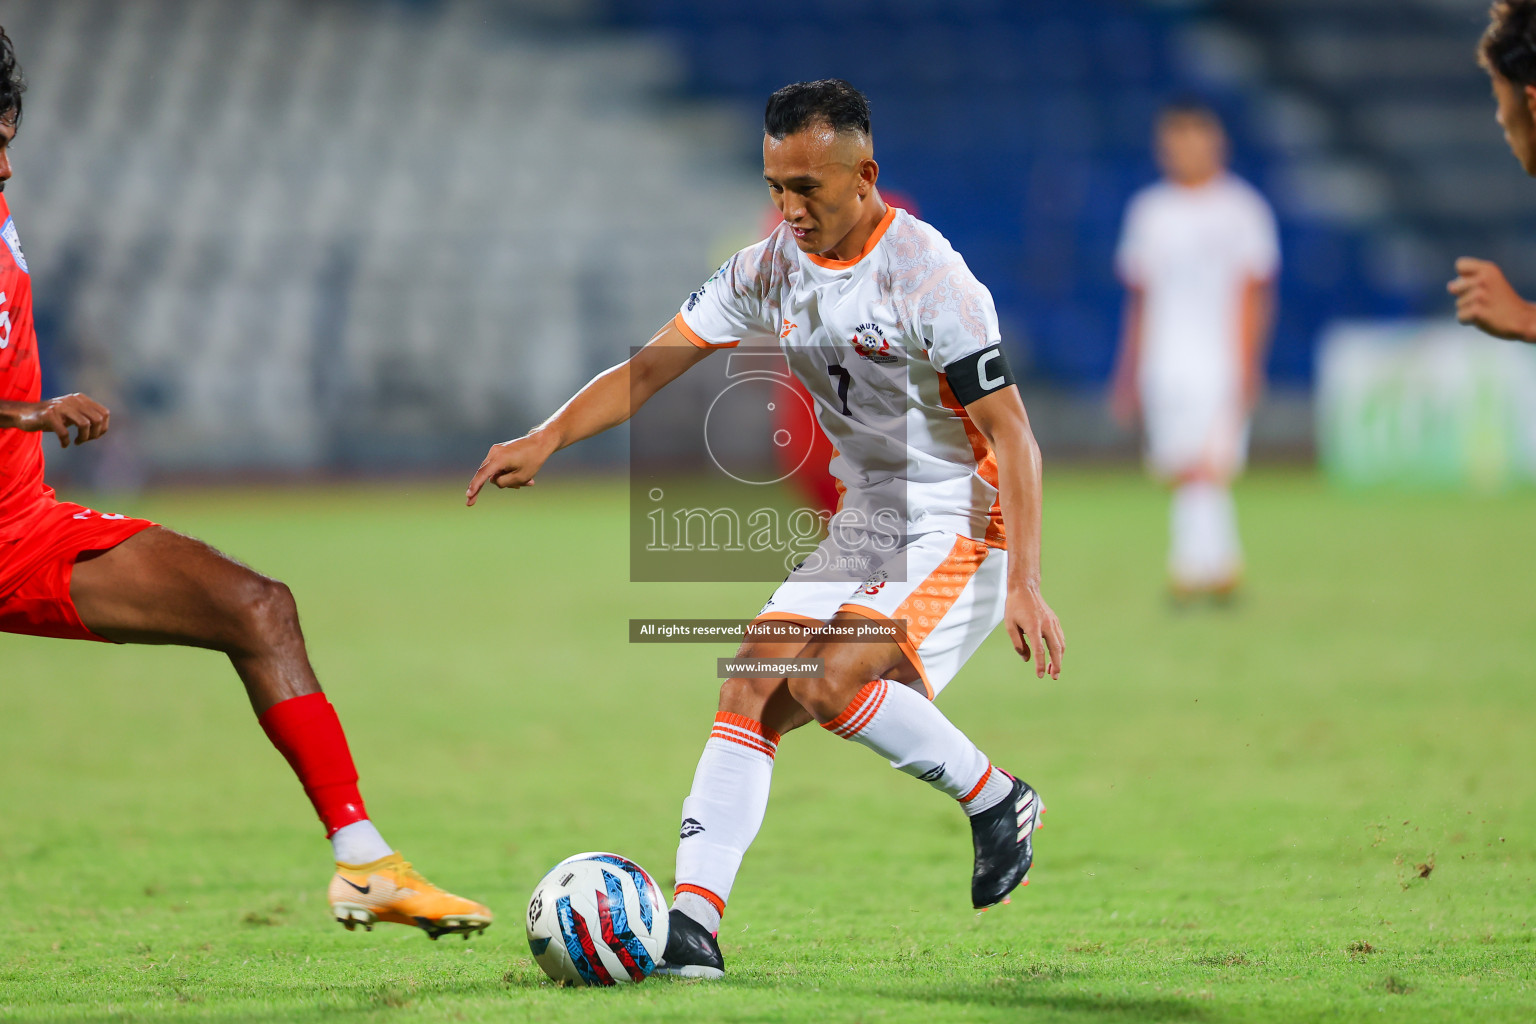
[89, 418]
[1034, 629]
[1485, 299]
[510, 464]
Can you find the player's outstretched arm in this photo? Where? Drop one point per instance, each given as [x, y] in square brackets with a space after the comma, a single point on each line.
[609, 399]
[1000, 416]
[56, 415]
[1486, 300]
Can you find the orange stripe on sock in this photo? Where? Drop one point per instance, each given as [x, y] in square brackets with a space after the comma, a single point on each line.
[865, 693]
[699, 890]
[861, 715]
[751, 743]
[743, 722]
[870, 709]
[977, 788]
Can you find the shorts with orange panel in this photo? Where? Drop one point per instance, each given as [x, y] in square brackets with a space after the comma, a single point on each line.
[37, 561]
[950, 594]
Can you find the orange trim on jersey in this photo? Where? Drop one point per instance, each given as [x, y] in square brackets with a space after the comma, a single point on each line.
[905, 642]
[751, 725]
[699, 890]
[986, 461]
[869, 246]
[691, 335]
[977, 788]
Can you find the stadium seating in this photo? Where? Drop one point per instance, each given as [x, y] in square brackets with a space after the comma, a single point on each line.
[351, 233]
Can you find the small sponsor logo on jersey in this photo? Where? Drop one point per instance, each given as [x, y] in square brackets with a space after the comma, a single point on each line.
[13, 243]
[933, 774]
[870, 343]
[691, 827]
[693, 300]
[789, 325]
[875, 583]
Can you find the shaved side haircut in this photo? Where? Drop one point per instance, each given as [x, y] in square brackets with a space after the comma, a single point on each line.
[831, 101]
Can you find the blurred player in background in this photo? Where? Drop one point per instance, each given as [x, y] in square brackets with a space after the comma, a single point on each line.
[1198, 255]
[893, 337]
[74, 573]
[1484, 297]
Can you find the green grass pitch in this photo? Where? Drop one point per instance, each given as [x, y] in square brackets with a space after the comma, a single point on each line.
[1320, 805]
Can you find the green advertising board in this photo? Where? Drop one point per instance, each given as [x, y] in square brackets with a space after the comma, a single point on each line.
[1425, 404]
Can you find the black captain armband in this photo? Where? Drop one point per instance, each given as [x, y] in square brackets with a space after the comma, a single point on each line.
[979, 374]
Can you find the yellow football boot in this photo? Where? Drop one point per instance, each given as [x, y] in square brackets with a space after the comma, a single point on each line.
[390, 889]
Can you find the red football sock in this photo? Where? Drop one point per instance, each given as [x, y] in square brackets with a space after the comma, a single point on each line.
[307, 732]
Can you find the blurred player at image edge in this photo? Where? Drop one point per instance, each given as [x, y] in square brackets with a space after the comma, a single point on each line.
[71, 572]
[1507, 51]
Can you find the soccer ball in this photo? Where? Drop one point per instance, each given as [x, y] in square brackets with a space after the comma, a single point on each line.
[597, 919]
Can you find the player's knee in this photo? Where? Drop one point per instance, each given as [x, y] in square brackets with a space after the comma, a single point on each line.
[267, 612]
[824, 697]
[748, 697]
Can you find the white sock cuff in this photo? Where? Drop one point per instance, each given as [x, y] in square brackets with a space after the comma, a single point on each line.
[860, 711]
[359, 843]
[745, 733]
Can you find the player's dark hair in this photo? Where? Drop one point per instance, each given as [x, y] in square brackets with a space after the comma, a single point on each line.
[12, 84]
[831, 101]
[1508, 46]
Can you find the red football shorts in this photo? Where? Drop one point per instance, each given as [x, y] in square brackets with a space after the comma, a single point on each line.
[37, 562]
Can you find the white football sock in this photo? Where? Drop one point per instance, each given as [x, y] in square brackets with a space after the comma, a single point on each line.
[722, 814]
[698, 908]
[903, 727]
[1204, 549]
[359, 843]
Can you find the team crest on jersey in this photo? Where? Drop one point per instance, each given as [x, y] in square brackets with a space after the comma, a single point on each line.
[13, 242]
[870, 343]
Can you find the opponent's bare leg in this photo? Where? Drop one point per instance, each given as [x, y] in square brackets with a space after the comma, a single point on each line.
[159, 587]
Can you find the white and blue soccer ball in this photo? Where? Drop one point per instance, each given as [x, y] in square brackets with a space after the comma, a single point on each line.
[597, 919]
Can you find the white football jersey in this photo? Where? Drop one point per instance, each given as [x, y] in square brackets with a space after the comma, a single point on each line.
[1192, 251]
[870, 338]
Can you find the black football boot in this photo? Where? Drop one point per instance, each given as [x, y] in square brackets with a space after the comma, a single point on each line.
[1004, 840]
[692, 951]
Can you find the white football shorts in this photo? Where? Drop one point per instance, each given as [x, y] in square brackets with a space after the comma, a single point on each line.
[1195, 429]
[950, 593]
